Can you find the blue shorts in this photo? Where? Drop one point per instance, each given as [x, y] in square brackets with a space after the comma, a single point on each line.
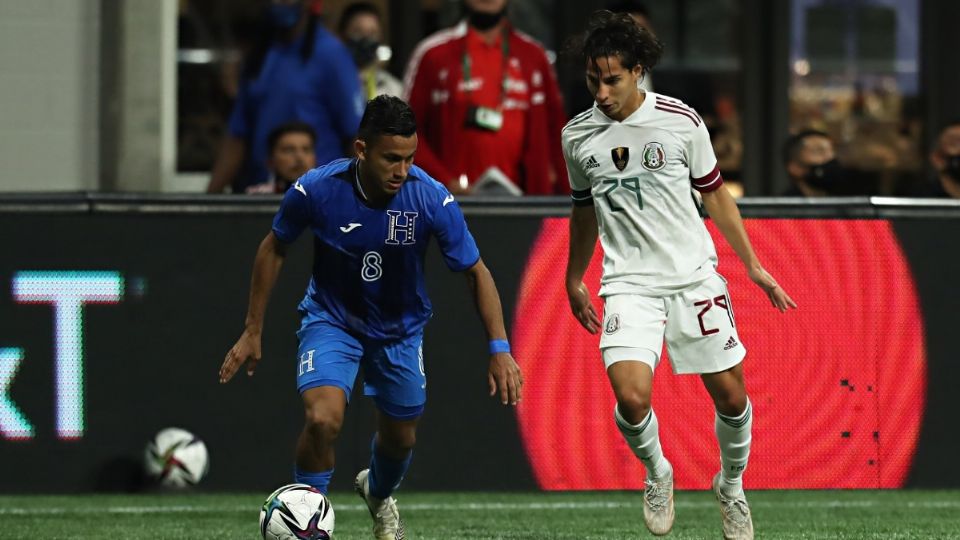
[392, 370]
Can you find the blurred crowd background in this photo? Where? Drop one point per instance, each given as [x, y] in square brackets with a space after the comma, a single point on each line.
[802, 97]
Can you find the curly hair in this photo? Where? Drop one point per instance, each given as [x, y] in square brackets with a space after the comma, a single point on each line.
[617, 34]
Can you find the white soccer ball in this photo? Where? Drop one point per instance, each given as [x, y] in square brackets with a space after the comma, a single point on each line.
[176, 458]
[296, 512]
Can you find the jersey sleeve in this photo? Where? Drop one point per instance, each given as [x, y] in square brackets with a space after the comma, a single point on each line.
[294, 214]
[704, 172]
[580, 188]
[456, 243]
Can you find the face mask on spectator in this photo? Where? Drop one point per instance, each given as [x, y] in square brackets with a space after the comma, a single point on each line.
[825, 175]
[484, 21]
[952, 167]
[363, 50]
[285, 16]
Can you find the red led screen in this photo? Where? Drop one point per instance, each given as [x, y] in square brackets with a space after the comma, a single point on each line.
[837, 385]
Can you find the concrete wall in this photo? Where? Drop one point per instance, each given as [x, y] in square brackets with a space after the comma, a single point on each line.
[49, 104]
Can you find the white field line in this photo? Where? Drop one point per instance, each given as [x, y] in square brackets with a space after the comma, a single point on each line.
[457, 507]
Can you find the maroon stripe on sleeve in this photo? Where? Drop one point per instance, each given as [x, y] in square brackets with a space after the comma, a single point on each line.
[679, 106]
[708, 182]
[688, 115]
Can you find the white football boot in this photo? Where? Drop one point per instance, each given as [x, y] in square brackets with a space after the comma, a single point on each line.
[737, 521]
[387, 524]
[658, 511]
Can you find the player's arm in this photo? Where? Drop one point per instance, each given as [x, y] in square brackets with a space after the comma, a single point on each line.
[721, 207]
[504, 373]
[583, 241]
[266, 268]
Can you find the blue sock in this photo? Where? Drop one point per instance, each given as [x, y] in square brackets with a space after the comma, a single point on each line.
[386, 472]
[319, 480]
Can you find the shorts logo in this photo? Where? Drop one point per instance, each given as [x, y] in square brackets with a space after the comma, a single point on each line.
[613, 324]
[621, 156]
[731, 343]
[306, 362]
[654, 158]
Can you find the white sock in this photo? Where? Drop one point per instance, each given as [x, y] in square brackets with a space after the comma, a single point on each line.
[644, 440]
[733, 435]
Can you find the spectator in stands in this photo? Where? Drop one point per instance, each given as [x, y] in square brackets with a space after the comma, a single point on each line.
[946, 160]
[360, 29]
[486, 97]
[812, 165]
[298, 72]
[292, 154]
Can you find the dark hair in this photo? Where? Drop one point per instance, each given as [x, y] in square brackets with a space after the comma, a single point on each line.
[290, 127]
[351, 11]
[950, 124]
[386, 115]
[629, 7]
[617, 34]
[267, 35]
[794, 143]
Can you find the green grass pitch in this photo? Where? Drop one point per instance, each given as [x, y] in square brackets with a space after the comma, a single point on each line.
[594, 515]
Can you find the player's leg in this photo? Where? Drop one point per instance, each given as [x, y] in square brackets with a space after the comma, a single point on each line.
[630, 344]
[702, 338]
[327, 364]
[733, 423]
[632, 382]
[391, 452]
[395, 377]
[324, 408]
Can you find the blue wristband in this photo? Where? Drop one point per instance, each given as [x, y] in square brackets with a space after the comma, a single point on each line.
[499, 346]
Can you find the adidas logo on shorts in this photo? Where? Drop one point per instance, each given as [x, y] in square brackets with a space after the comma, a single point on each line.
[591, 163]
[731, 343]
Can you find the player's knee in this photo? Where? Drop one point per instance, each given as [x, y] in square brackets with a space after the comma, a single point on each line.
[324, 423]
[731, 403]
[634, 406]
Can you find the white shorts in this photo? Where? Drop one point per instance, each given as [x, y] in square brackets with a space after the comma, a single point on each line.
[698, 325]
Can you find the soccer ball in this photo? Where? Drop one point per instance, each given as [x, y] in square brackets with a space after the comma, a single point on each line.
[296, 512]
[176, 458]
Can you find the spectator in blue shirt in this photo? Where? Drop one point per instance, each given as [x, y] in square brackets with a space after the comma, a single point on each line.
[299, 72]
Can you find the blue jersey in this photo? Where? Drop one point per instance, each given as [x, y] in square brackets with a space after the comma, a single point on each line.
[368, 262]
[324, 92]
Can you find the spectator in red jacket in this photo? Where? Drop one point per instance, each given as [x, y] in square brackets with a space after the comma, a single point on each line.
[486, 96]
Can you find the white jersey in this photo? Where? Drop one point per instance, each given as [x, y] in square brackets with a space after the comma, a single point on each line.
[638, 173]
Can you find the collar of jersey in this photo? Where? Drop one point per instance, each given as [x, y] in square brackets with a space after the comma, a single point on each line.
[635, 117]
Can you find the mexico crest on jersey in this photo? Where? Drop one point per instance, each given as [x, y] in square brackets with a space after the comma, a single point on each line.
[653, 157]
[620, 155]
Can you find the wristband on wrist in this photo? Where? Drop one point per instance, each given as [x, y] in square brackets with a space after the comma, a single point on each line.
[499, 346]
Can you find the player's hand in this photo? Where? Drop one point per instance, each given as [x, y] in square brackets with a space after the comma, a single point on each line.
[245, 350]
[582, 307]
[504, 376]
[778, 297]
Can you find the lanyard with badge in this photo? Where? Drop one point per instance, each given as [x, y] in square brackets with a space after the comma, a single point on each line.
[486, 117]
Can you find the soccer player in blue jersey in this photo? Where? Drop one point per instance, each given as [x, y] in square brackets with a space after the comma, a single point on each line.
[372, 218]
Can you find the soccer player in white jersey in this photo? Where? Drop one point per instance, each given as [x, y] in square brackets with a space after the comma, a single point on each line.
[632, 160]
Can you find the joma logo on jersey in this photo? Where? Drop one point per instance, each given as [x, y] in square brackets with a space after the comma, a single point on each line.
[405, 227]
[621, 156]
[653, 157]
